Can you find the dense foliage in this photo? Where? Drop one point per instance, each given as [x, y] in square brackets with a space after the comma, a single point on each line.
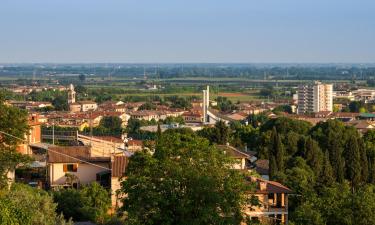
[90, 203]
[24, 205]
[13, 122]
[186, 181]
[329, 166]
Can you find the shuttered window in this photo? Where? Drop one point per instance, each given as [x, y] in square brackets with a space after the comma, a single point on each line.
[70, 167]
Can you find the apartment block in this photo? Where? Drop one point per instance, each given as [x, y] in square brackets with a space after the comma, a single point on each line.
[315, 97]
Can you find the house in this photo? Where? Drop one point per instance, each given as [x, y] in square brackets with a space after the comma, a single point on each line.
[362, 125]
[122, 115]
[117, 106]
[83, 106]
[193, 117]
[145, 115]
[74, 161]
[134, 145]
[273, 199]
[75, 107]
[364, 94]
[272, 196]
[30, 105]
[238, 116]
[33, 136]
[74, 166]
[241, 159]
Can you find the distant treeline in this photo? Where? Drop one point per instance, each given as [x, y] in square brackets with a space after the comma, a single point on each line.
[165, 71]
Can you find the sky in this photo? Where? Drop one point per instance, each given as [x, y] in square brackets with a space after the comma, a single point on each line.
[190, 31]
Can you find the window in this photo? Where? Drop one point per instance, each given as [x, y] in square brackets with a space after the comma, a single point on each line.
[70, 167]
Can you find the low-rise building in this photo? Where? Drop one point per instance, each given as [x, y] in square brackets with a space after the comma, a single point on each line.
[83, 106]
[193, 117]
[33, 136]
[273, 199]
[74, 161]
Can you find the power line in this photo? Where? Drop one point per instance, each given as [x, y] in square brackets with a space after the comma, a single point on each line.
[93, 164]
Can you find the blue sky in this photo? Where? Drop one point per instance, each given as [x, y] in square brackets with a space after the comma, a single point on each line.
[187, 31]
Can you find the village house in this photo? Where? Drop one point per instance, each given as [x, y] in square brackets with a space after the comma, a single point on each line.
[238, 116]
[362, 125]
[134, 145]
[33, 136]
[193, 117]
[74, 166]
[83, 106]
[30, 105]
[273, 199]
[145, 115]
[272, 196]
[122, 115]
[241, 159]
[75, 161]
[154, 114]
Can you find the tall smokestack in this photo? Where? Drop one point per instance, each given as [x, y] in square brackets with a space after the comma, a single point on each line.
[204, 106]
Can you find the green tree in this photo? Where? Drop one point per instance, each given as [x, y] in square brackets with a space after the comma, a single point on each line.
[186, 181]
[91, 203]
[24, 205]
[313, 155]
[60, 103]
[13, 122]
[326, 177]
[222, 132]
[363, 206]
[96, 202]
[276, 149]
[356, 106]
[353, 162]
[69, 203]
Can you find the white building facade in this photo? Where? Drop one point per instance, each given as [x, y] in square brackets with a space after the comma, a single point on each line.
[317, 97]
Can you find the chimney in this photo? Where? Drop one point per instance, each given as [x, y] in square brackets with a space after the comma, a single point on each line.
[262, 185]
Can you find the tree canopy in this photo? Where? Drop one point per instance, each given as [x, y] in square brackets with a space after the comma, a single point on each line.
[186, 181]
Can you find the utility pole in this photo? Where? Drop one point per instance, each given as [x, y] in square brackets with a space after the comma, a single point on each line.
[53, 132]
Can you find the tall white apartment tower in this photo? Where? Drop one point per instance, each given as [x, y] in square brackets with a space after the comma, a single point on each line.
[71, 94]
[206, 103]
[315, 97]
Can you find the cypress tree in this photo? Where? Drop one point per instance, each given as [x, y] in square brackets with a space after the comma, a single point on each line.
[313, 155]
[326, 175]
[364, 162]
[372, 170]
[336, 158]
[277, 149]
[353, 161]
[222, 132]
[158, 132]
[272, 167]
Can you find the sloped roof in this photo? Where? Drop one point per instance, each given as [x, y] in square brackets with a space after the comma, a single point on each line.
[271, 186]
[233, 152]
[72, 154]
